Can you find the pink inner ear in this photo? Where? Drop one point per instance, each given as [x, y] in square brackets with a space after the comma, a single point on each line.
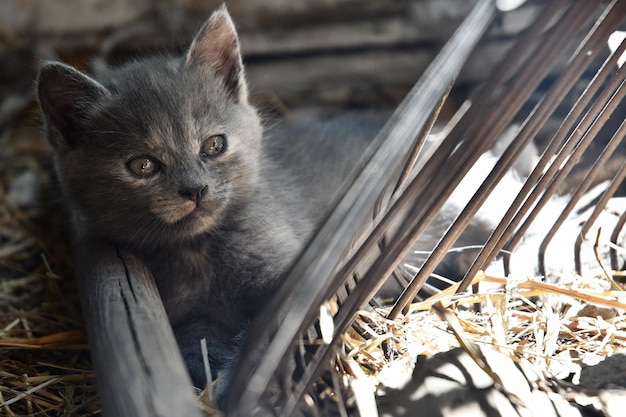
[216, 48]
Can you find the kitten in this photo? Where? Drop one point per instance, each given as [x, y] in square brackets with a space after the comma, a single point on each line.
[166, 157]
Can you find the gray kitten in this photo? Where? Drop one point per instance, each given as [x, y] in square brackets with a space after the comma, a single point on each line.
[166, 158]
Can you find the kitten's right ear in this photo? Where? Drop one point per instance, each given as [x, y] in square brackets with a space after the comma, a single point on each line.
[65, 95]
[216, 47]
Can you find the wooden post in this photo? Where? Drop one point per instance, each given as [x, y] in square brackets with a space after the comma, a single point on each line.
[138, 366]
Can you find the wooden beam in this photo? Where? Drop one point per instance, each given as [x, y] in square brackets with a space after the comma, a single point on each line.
[138, 366]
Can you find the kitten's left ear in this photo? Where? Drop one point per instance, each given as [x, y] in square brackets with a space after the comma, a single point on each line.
[66, 97]
[216, 48]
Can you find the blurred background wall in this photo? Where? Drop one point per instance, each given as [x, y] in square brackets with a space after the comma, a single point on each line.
[315, 55]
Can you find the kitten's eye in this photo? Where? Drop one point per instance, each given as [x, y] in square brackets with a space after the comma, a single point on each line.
[143, 166]
[213, 146]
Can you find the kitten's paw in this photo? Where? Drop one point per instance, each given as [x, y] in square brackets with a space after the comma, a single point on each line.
[222, 353]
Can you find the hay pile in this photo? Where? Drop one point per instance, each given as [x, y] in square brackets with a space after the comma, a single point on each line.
[558, 330]
[44, 359]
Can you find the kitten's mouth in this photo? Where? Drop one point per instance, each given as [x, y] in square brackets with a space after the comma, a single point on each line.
[203, 213]
[198, 212]
[193, 218]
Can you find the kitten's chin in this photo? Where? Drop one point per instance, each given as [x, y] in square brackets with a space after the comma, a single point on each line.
[199, 220]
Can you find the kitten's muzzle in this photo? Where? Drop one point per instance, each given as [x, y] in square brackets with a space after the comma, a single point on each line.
[195, 194]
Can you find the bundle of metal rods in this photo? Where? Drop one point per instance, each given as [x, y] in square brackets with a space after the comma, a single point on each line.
[398, 185]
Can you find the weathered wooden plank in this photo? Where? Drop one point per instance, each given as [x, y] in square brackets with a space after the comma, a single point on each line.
[138, 366]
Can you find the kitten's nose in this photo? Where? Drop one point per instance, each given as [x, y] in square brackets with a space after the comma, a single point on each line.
[196, 193]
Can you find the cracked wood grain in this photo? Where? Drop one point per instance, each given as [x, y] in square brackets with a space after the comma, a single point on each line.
[138, 366]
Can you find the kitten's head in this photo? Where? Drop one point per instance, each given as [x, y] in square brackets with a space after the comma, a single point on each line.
[158, 150]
